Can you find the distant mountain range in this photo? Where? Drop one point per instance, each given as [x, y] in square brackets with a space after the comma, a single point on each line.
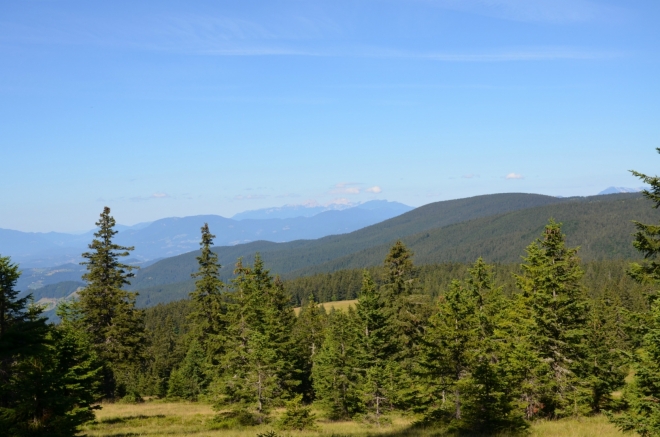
[172, 236]
[496, 227]
[615, 190]
[304, 210]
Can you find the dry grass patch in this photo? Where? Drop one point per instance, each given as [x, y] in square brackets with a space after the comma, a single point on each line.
[179, 419]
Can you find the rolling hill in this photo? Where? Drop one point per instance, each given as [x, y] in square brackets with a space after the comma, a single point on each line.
[288, 257]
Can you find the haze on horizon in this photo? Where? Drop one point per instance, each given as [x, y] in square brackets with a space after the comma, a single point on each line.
[161, 109]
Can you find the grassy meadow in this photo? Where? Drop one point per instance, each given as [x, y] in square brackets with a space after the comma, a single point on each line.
[341, 305]
[174, 419]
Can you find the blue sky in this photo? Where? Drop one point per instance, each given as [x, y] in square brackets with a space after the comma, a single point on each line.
[162, 108]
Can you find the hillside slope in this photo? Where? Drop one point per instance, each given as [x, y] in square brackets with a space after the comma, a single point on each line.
[601, 226]
[287, 257]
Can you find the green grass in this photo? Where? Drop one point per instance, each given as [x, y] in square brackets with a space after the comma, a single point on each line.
[153, 419]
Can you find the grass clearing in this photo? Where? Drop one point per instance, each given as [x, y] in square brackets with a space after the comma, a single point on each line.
[340, 305]
[178, 419]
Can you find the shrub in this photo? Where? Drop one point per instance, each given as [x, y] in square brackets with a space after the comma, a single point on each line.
[297, 416]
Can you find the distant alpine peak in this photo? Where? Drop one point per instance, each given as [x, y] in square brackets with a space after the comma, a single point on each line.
[615, 190]
[312, 208]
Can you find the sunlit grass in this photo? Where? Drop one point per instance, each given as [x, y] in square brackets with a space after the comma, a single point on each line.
[153, 419]
[341, 305]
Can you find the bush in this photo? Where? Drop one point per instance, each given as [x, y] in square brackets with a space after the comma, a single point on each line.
[297, 416]
[235, 419]
[132, 397]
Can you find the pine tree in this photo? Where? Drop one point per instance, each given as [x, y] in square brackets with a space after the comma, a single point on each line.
[605, 342]
[208, 307]
[257, 370]
[308, 335]
[643, 394]
[407, 311]
[550, 282]
[335, 373]
[468, 384]
[109, 316]
[376, 388]
[48, 375]
[189, 380]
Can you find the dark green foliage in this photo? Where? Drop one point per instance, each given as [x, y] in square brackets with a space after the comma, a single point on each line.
[335, 373]
[189, 380]
[108, 314]
[495, 227]
[606, 342]
[297, 416]
[558, 308]
[467, 382]
[49, 376]
[308, 335]
[166, 328]
[258, 367]
[206, 299]
[643, 395]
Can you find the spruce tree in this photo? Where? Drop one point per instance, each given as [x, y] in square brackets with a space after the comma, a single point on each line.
[257, 369]
[308, 335]
[108, 313]
[606, 342]
[189, 380]
[335, 373]
[550, 282]
[48, 375]
[406, 311]
[208, 308]
[377, 391]
[469, 386]
[643, 394]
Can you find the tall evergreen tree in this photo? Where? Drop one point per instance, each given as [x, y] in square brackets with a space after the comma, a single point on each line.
[48, 374]
[469, 384]
[550, 282]
[308, 335]
[605, 342]
[108, 313]
[643, 395]
[209, 312]
[406, 311]
[257, 370]
[335, 373]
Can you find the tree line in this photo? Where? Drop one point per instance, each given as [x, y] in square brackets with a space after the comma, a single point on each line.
[481, 355]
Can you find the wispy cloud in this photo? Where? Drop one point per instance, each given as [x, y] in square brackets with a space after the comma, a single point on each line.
[470, 176]
[375, 189]
[154, 196]
[346, 188]
[514, 176]
[548, 11]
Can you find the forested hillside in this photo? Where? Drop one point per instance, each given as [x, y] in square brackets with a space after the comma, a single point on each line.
[294, 255]
[601, 225]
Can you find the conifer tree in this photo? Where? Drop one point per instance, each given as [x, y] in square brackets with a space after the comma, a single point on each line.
[468, 384]
[605, 342]
[108, 313]
[406, 311]
[643, 394]
[189, 380]
[335, 373]
[308, 335]
[257, 369]
[550, 282]
[378, 392]
[208, 309]
[48, 375]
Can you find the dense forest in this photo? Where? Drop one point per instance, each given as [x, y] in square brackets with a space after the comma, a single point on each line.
[467, 347]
